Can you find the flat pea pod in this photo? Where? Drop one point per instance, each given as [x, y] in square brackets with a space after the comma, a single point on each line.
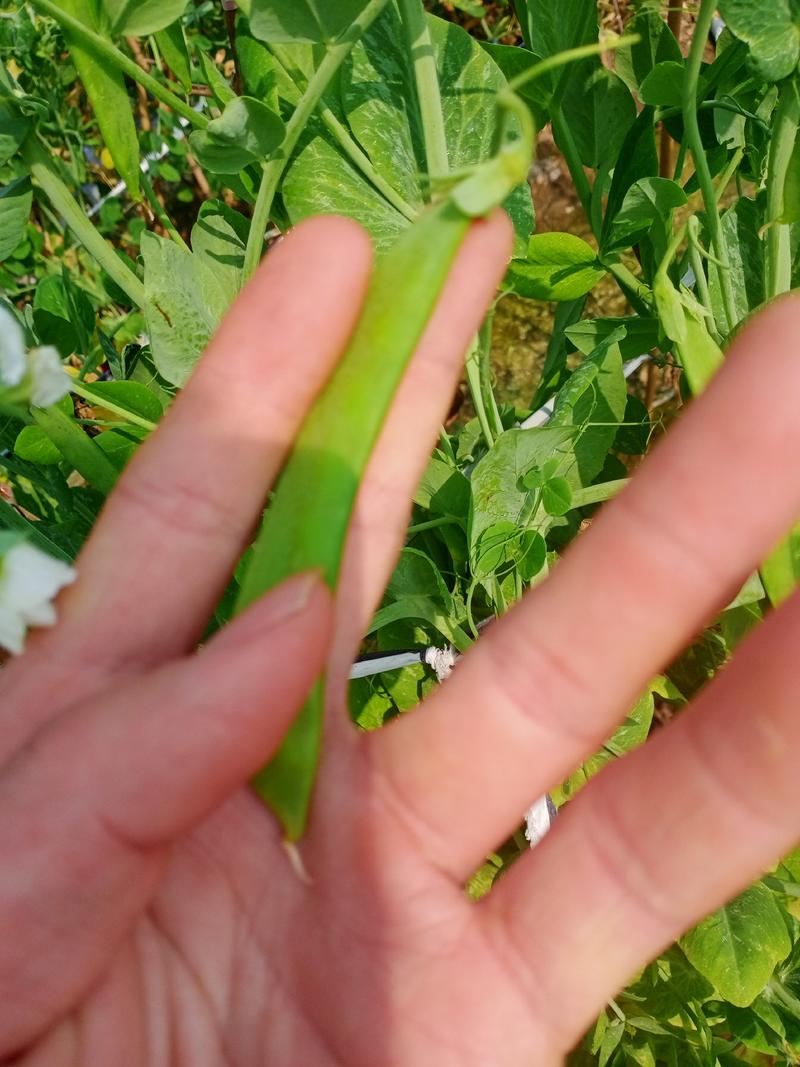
[306, 524]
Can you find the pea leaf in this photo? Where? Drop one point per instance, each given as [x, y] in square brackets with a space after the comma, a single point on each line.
[185, 304]
[781, 571]
[61, 319]
[35, 446]
[137, 18]
[552, 28]
[640, 334]
[288, 21]
[648, 203]
[108, 95]
[248, 125]
[771, 30]
[14, 128]
[599, 110]
[663, 86]
[656, 44]
[219, 238]
[559, 266]
[15, 208]
[172, 43]
[557, 496]
[738, 947]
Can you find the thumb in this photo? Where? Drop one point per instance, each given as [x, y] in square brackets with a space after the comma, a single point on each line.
[87, 808]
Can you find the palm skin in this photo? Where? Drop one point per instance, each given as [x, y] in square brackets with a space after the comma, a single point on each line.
[157, 917]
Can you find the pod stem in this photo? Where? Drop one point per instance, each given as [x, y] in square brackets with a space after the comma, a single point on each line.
[429, 93]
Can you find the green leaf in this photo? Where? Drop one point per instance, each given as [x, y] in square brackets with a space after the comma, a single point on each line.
[219, 239]
[15, 208]
[59, 321]
[663, 86]
[514, 61]
[185, 304]
[772, 30]
[648, 202]
[698, 354]
[640, 334]
[287, 21]
[741, 226]
[599, 110]
[557, 496]
[77, 448]
[559, 266]
[656, 44]
[35, 446]
[738, 947]
[173, 47]
[138, 18]
[216, 156]
[14, 128]
[553, 28]
[130, 396]
[249, 126]
[443, 490]
[258, 70]
[108, 94]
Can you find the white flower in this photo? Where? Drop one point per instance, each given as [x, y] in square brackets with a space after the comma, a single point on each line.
[49, 379]
[13, 365]
[29, 582]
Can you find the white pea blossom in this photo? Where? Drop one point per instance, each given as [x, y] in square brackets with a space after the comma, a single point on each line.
[49, 380]
[13, 362]
[29, 582]
[40, 371]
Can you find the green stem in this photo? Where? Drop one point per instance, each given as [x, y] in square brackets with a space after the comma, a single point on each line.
[428, 91]
[109, 51]
[159, 211]
[692, 128]
[349, 146]
[699, 271]
[473, 367]
[45, 175]
[638, 293]
[778, 260]
[431, 524]
[273, 169]
[102, 401]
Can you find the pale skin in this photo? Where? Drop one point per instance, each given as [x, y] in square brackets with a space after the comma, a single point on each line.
[151, 915]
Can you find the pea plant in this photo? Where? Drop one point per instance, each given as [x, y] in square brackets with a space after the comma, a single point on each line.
[150, 150]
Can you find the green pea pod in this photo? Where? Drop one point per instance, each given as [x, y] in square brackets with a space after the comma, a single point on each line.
[105, 86]
[306, 523]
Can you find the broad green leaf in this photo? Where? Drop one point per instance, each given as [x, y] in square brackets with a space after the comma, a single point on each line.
[173, 47]
[137, 18]
[185, 304]
[553, 28]
[14, 128]
[286, 21]
[656, 44]
[219, 238]
[250, 126]
[745, 1026]
[219, 157]
[129, 396]
[35, 446]
[772, 30]
[592, 402]
[599, 110]
[641, 334]
[443, 490]
[373, 700]
[559, 266]
[781, 571]
[514, 61]
[648, 203]
[77, 448]
[738, 947]
[637, 159]
[258, 70]
[15, 208]
[54, 312]
[557, 496]
[741, 225]
[633, 436]
[378, 100]
[698, 354]
[108, 94]
[498, 494]
[663, 86]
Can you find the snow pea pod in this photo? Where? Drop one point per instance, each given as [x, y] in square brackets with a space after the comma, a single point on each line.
[306, 523]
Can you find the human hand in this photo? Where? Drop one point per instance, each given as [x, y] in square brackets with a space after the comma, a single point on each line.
[152, 914]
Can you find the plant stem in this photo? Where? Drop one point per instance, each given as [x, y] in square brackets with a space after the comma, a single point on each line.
[473, 367]
[47, 178]
[778, 259]
[109, 51]
[428, 90]
[698, 269]
[351, 148]
[432, 524]
[273, 169]
[692, 128]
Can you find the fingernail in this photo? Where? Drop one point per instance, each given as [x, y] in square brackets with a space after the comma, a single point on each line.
[276, 608]
[292, 596]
